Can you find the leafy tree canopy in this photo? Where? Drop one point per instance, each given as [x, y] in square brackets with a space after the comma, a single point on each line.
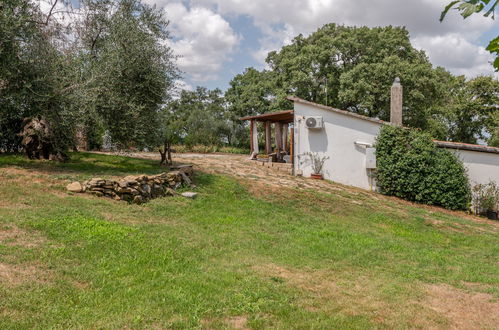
[470, 7]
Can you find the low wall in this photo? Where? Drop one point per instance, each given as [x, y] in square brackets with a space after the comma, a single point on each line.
[136, 188]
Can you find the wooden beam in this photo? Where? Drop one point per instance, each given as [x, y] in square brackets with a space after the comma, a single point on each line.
[278, 136]
[252, 123]
[255, 138]
[268, 138]
[285, 137]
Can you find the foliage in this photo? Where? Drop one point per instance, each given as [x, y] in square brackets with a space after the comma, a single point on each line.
[410, 166]
[201, 117]
[316, 161]
[472, 109]
[353, 68]
[206, 149]
[35, 75]
[105, 67]
[132, 68]
[486, 196]
[469, 7]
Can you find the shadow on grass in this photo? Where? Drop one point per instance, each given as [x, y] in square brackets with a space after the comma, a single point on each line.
[86, 164]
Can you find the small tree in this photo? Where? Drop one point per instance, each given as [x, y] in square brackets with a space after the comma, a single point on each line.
[167, 134]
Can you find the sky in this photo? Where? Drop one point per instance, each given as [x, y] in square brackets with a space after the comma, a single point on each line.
[217, 39]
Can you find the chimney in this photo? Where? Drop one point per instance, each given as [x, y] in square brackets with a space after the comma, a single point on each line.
[396, 103]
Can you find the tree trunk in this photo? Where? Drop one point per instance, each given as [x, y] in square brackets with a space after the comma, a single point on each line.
[166, 155]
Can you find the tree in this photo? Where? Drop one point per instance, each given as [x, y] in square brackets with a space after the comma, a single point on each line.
[350, 68]
[35, 79]
[470, 7]
[135, 69]
[472, 109]
[200, 117]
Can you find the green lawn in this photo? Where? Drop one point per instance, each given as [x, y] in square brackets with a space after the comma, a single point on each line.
[228, 259]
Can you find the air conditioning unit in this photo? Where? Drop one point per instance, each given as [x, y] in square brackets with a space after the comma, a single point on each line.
[313, 122]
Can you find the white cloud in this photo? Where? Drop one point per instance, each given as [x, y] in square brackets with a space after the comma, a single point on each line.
[457, 54]
[204, 40]
[280, 20]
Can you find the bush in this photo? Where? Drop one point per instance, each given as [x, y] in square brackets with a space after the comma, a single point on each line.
[412, 167]
[202, 149]
[486, 197]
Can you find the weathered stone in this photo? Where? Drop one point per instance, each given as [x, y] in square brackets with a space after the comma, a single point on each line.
[75, 187]
[97, 193]
[96, 181]
[130, 178]
[189, 194]
[141, 188]
[124, 190]
[123, 183]
[157, 190]
[186, 179]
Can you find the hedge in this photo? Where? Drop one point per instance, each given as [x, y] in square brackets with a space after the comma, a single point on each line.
[412, 167]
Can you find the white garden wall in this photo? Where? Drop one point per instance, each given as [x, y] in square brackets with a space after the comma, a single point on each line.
[483, 167]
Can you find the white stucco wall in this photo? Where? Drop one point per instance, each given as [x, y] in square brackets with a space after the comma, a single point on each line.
[483, 167]
[347, 162]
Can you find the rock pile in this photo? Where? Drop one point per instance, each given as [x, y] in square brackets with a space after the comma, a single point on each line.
[136, 189]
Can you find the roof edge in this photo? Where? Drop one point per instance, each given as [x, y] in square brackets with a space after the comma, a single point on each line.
[343, 112]
[466, 146]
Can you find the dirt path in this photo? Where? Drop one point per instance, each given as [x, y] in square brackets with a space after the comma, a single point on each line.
[240, 166]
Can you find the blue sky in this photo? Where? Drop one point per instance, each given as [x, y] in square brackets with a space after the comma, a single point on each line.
[218, 39]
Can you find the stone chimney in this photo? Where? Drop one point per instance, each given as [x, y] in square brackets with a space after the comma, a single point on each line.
[396, 103]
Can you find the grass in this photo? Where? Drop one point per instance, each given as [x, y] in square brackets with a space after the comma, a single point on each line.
[229, 258]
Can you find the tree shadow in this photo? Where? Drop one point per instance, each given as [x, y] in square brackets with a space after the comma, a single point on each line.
[86, 164]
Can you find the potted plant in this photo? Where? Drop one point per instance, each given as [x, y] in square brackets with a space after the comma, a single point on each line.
[316, 161]
[486, 199]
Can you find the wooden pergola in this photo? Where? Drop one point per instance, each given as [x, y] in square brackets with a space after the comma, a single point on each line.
[281, 121]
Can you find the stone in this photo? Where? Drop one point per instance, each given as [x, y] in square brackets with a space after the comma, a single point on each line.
[124, 190]
[140, 189]
[97, 193]
[96, 182]
[123, 183]
[157, 190]
[75, 187]
[186, 179]
[189, 194]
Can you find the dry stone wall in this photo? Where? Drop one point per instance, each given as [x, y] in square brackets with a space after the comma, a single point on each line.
[136, 188]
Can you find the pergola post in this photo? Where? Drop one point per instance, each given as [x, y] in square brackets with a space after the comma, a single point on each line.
[254, 139]
[252, 123]
[278, 136]
[268, 138]
[285, 137]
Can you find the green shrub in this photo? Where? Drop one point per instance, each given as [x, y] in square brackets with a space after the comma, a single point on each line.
[202, 149]
[411, 166]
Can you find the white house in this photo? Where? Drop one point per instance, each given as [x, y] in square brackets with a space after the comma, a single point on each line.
[348, 138]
